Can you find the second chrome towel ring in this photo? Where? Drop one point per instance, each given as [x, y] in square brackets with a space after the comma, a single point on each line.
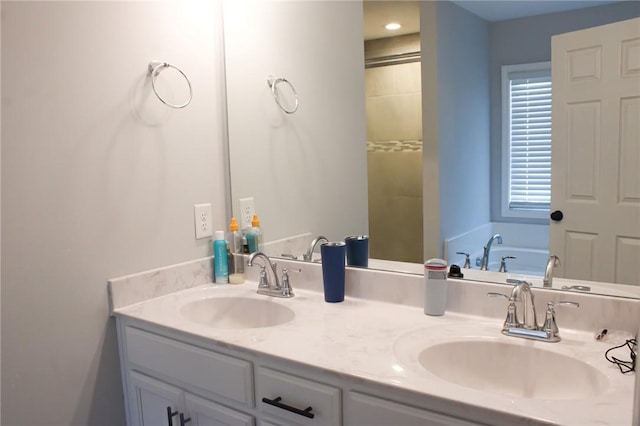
[154, 69]
[273, 84]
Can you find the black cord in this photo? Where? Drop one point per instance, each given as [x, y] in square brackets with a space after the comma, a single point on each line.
[624, 366]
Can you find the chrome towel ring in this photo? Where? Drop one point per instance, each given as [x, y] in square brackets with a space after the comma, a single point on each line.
[273, 83]
[154, 69]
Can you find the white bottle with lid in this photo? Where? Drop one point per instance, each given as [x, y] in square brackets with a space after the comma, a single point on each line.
[435, 287]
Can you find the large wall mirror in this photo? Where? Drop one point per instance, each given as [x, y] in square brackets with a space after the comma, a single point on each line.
[400, 136]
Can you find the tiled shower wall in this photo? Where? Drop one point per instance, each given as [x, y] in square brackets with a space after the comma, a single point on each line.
[394, 145]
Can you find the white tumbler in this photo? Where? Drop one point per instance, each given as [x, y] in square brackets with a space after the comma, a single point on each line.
[435, 287]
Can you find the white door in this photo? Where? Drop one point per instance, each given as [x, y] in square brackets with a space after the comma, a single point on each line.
[203, 412]
[595, 176]
[154, 403]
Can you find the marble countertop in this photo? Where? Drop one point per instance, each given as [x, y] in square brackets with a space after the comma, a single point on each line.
[380, 342]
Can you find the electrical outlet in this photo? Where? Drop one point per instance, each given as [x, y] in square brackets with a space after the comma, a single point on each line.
[202, 220]
[247, 210]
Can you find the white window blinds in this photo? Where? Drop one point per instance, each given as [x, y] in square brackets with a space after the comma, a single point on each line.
[529, 133]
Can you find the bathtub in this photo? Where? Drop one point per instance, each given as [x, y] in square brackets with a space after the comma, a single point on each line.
[528, 261]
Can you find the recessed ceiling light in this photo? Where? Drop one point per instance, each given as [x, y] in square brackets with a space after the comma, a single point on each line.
[393, 26]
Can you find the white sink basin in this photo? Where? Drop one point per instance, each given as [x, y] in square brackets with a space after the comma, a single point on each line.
[478, 356]
[513, 369]
[237, 312]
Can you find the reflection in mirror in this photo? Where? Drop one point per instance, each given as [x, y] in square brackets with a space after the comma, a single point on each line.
[310, 172]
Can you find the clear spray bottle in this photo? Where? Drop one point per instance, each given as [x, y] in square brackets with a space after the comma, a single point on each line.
[236, 273]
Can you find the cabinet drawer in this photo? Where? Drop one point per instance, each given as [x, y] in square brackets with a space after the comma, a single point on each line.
[362, 409]
[325, 401]
[207, 372]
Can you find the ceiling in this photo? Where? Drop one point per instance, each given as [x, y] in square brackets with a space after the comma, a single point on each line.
[407, 13]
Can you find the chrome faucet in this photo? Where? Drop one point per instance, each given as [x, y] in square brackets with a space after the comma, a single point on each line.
[487, 249]
[308, 256]
[522, 294]
[266, 285]
[527, 326]
[548, 271]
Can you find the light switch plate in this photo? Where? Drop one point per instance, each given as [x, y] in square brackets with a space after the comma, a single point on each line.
[202, 220]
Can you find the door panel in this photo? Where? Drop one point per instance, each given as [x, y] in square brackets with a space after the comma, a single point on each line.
[596, 153]
[152, 399]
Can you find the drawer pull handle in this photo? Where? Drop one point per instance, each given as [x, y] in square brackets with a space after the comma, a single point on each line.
[276, 403]
[184, 421]
[170, 414]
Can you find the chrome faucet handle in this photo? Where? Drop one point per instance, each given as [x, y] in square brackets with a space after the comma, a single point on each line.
[516, 281]
[494, 294]
[511, 319]
[264, 283]
[287, 290]
[550, 326]
[503, 263]
[289, 256]
[467, 262]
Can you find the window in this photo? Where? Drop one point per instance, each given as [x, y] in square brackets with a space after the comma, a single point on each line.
[526, 140]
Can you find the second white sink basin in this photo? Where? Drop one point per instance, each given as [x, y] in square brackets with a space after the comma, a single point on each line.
[513, 369]
[478, 356]
[237, 312]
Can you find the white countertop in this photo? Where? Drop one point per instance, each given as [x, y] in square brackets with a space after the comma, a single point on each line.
[373, 340]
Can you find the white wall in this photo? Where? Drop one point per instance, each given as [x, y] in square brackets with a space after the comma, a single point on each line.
[98, 180]
[463, 107]
[319, 152]
[455, 116]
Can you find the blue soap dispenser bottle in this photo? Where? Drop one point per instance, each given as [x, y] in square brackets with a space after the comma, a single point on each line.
[221, 260]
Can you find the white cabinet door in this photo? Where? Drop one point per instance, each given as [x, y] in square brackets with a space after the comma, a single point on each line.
[150, 401]
[595, 179]
[203, 412]
[361, 409]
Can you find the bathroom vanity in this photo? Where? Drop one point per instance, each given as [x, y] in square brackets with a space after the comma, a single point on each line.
[203, 354]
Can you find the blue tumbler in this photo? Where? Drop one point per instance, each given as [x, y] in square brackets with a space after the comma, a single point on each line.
[333, 271]
[357, 250]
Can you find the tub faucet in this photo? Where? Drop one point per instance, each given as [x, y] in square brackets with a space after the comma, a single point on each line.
[487, 249]
[308, 256]
[548, 271]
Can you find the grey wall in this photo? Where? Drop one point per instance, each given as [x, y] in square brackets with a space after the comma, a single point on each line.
[526, 40]
[463, 108]
[98, 180]
[0, 210]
